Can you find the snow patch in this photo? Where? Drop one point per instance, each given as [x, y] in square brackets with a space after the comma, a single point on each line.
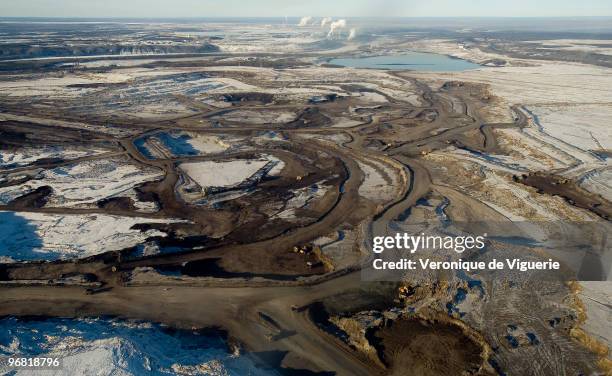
[42, 236]
[122, 348]
[222, 174]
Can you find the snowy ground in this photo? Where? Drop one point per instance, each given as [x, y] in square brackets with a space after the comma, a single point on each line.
[569, 111]
[85, 183]
[24, 156]
[41, 236]
[181, 144]
[106, 129]
[258, 117]
[370, 97]
[343, 122]
[380, 183]
[209, 144]
[563, 145]
[57, 87]
[69, 85]
[584, 126]
[283, 83]
[132, 92]
[222, 174]
[490, 182]
[119, 348]
[543, 83]
[449, 47]
[583, 45]
[301, 198]
[530, 152]
[599, 182]
[336, 138]
[597, 297]
[165, 93]
[212, 182]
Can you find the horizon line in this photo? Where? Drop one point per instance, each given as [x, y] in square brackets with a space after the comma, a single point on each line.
[291, 16]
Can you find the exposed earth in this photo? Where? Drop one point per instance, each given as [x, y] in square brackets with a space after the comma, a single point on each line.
[235, 182]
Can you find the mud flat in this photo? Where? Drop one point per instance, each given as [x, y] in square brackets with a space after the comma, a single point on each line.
[413, 347]
[555, 185]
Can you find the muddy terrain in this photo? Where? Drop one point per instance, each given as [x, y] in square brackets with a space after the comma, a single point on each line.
[222, 190]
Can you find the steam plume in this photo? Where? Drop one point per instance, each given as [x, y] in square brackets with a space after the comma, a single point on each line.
[305, 21]
[352, 34]
[336, 25]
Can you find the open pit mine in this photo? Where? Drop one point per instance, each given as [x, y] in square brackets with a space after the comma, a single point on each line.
[201, 198]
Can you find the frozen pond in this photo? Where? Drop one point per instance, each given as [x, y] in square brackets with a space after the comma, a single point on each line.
[412, 60]
[181, 144]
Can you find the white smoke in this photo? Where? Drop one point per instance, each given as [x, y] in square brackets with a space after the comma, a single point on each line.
[305, 21]
[325, 21]
[352, 33]
[334, 26]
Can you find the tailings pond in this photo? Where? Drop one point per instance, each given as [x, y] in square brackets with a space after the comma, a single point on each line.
[412, 60]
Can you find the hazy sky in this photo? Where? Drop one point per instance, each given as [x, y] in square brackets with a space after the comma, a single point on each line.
[279, 8]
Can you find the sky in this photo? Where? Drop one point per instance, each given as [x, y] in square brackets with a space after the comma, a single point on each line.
[298, 8]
